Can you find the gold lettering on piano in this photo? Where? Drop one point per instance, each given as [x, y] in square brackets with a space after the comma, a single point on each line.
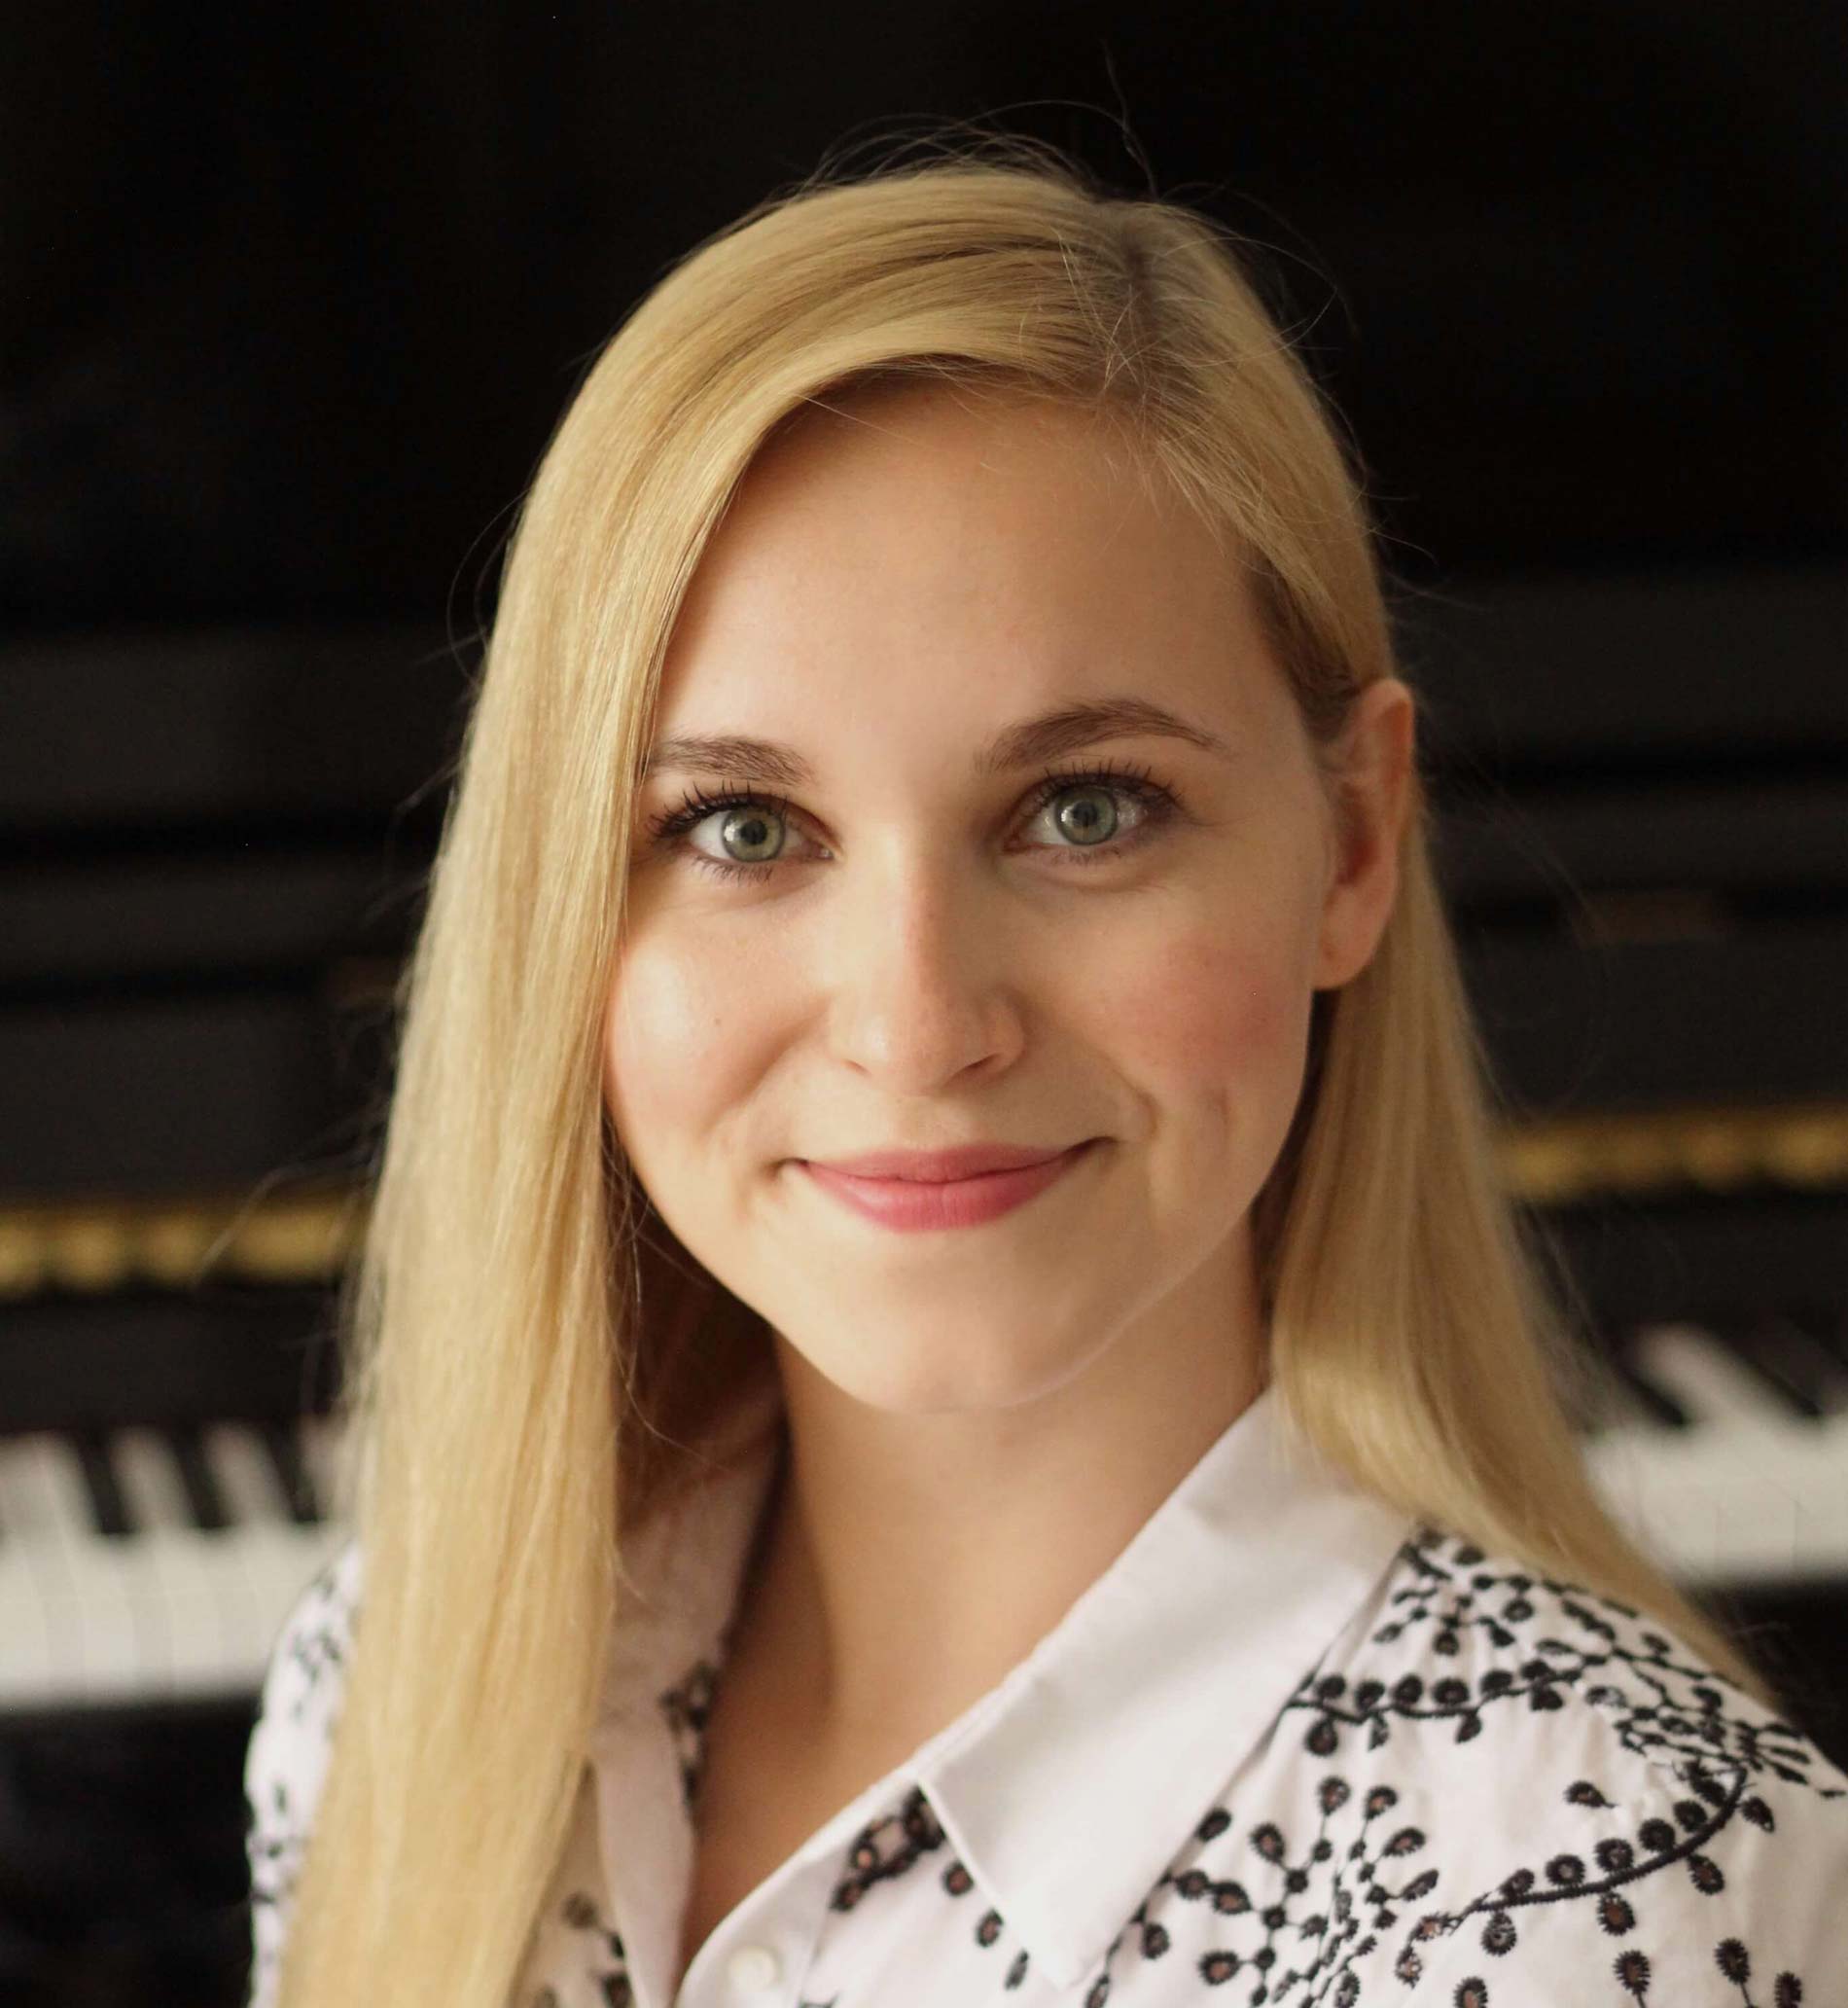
[100, 1244]
[1567, 1158]
[96, 1245]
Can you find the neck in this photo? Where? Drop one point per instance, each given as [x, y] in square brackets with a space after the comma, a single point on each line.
[907, 1562]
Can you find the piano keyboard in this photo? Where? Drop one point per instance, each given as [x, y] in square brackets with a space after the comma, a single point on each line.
[142, 1565]
[1725, 1455]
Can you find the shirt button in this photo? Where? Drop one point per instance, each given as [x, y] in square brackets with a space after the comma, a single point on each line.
[751, 1970]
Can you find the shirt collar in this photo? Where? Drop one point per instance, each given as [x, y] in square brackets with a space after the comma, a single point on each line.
[1140, 1704]
[1154, 1688]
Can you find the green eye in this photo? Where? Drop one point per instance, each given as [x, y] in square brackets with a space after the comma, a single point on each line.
[1154, 806]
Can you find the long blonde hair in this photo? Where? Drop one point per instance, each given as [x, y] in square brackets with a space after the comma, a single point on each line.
[529, 1354]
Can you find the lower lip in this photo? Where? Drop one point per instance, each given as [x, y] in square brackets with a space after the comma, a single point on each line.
[913, 1207]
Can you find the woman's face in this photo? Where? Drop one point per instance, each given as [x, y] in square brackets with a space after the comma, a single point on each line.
[931, 946]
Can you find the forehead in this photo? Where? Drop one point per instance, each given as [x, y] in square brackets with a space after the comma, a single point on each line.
[917, 553]
[964, 429]
[938, 455]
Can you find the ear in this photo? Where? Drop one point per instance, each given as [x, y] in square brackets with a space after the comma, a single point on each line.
[1372, 796]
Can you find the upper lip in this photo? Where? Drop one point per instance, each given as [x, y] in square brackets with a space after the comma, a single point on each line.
[940, 1166]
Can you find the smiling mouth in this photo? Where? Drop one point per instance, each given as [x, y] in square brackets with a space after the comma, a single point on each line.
[925, 1205]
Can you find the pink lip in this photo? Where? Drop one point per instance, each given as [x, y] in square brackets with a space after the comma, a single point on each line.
[919, 1206]
[935, 1167]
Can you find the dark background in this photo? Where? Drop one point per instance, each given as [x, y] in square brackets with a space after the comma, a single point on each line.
[293, 297]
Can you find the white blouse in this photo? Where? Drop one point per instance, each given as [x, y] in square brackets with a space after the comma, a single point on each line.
[1287, 1743]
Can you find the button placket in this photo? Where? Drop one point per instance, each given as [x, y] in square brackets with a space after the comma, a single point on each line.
[758, 1956]
[753, 1970]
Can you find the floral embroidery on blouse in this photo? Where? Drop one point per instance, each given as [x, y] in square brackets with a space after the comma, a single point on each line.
[287, 1752]
[1486, 1789]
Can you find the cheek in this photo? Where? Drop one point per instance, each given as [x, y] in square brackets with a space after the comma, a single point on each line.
[666, 1030]
[1217, 1022]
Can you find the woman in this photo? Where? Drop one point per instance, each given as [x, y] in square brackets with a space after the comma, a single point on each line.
[941, 707]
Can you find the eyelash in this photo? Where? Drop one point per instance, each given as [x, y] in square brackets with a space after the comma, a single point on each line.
[1153, 797]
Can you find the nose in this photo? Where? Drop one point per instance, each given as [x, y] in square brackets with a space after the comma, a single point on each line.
[923, 975]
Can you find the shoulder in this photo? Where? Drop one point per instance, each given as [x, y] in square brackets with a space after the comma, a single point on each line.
[286, 1759]
[1591, 1813]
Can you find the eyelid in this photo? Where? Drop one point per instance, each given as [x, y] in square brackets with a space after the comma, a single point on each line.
[730, 791]
[1157, 802]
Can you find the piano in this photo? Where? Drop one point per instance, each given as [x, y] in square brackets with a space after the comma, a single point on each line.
[211, 854]
[211, 851]
[142, 1565]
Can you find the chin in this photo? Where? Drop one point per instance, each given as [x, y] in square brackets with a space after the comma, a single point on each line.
[928, 1377]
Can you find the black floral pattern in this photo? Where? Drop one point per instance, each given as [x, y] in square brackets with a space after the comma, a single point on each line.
[1700, 1748]
[599, 1948]
[687, 1709]
[888, 1847]
[289, 1749]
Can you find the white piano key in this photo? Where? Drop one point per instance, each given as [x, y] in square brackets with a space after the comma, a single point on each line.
[40, 1635]
[246, 1477]
[1733, 1501]
[91, 1619]
[262, 1538]
[153, 1492]
[1706, 1377]
[1822, 1524]
[31, 1662]
[172, 1562]
[41, 1496]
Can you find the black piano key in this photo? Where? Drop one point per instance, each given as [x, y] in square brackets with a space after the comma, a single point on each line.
[108, 1509]
[1597, 1401]
[202, 1492]
[1829, 1327]
[297, 1487]
[1656, 1400]
[1794, 1363]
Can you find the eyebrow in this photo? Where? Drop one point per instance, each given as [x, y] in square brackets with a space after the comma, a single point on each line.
[1064, 730]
